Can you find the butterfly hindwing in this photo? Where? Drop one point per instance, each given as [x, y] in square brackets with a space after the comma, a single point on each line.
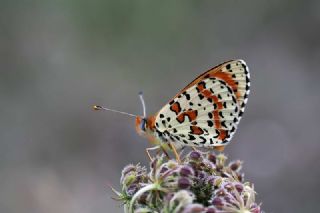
[207, 111]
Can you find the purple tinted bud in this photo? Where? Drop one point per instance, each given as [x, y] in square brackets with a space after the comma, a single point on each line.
[211, 210]
[186, 171]
[254, 208]
[132, 189]
[235, 165]
[228, 186]
[193, 208]
[209, 165]
[239, 187]
[221, 192]
[218, 202]
[184, 183]
[127, 169]
[202, 175]
[212, 158]
[163, 170]
[195, 155]
[210, 180]
[228, 198]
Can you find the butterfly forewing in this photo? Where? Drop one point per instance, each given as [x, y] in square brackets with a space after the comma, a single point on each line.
[207, 111]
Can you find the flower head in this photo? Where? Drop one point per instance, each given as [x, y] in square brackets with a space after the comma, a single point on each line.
[203, 182]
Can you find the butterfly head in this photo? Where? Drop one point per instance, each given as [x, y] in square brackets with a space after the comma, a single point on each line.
[141, 125]
[144, 125]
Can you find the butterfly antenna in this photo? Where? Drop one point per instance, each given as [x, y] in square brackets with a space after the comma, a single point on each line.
[143, 104]
[96, 107]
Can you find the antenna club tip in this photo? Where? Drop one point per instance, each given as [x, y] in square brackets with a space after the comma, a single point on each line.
[96, 107]
[140, 93]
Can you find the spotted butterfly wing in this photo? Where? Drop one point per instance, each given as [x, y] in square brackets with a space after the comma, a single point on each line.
[207, 111]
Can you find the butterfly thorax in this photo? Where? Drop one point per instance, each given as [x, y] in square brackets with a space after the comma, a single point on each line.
[147, 127]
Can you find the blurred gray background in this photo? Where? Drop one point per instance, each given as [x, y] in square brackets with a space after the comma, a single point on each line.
[60, 57]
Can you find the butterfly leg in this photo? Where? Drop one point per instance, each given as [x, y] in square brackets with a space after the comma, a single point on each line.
[165, 152]
[151, 149]
[194, 148]
[175, 153]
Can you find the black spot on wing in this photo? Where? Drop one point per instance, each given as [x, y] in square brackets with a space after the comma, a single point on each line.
[203, 140]
[211, 141]
[225, 141]
[247, 87]
[225, 104]
[201, 96]
[229, 90]
[217, 133]
[244, 66]
[222, 82]
[191, 137]
[234, 99]
[210, 123]
[186, 95]
[185, 141]
[203, 84]
[223, 123]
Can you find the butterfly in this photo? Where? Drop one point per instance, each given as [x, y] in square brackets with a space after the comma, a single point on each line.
[205, 113]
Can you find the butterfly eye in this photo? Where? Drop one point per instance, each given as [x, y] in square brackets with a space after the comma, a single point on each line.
[143, 124]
